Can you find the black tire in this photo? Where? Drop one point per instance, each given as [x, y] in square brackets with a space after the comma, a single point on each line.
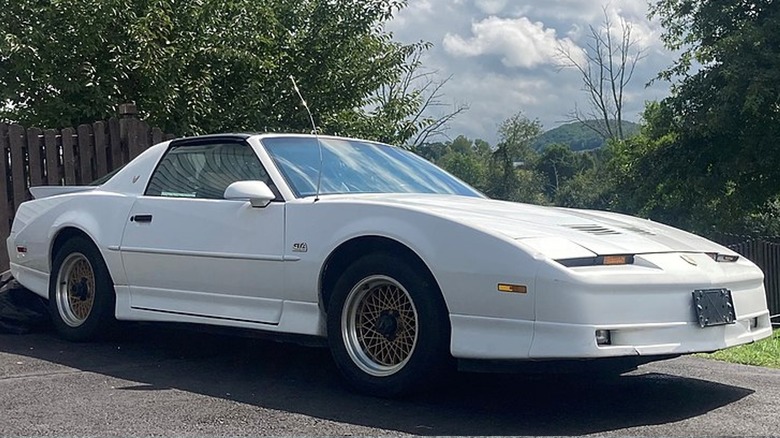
[405, 354]
[81, 306]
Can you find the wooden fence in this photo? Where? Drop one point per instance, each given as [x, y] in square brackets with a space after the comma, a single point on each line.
[69, 156]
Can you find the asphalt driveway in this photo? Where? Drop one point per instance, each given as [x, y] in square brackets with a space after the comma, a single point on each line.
[162, 380]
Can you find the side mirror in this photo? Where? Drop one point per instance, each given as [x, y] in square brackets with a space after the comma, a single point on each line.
[256, 192]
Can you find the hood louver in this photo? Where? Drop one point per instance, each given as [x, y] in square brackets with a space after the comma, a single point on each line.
[598, 230]
[639, 230]
[601, 230]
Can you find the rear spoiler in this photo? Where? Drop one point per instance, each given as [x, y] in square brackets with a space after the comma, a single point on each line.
[47, 191]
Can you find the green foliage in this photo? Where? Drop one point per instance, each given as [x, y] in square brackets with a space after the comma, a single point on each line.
[558, 164]
[395, 113]
[764, 221]
[578, 136]
[514, 171]
[707, 157]
[510, 177]
[462, 145]
[433, 152]
[469, 161]
[509, 172]
[764, 353]
[201, 66]
[466, 166]
[516, 135]
[526, 186]
[588, 188]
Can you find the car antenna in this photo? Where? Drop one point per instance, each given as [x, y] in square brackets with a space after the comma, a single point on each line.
[314, 131]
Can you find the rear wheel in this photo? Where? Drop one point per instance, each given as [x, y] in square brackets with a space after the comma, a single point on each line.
[388, 327]
[81, 293]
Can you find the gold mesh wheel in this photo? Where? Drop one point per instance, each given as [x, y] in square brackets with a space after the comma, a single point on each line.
[379, 325]
[75, 293]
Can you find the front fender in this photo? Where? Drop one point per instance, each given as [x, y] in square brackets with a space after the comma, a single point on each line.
[467, 263]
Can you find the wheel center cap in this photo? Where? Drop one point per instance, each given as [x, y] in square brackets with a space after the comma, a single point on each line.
[80, 290]
[387, 324]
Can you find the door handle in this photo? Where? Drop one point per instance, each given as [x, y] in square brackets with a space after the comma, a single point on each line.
[141, 218]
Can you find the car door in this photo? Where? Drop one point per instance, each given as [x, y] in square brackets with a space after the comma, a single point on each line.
[189, 252]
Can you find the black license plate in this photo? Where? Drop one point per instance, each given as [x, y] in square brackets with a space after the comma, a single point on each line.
[714, 307]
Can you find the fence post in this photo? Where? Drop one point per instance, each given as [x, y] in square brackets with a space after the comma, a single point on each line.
[16, 139]
[86, 154]
[115, 138]
[69, 156]
[34, 156]
[101, 149]
[6, 212]
[128, 130]
[53, 173]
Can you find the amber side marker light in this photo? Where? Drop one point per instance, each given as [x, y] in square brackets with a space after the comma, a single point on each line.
[618, 260]
[610, 260]
[514, 288]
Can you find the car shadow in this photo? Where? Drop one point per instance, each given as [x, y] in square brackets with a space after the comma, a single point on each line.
[304, 380]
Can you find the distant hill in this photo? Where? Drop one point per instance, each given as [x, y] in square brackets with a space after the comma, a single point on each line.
[578, 136]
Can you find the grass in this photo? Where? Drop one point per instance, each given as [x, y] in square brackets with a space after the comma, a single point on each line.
[764, 353]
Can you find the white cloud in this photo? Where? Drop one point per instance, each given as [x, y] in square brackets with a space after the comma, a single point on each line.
[495, 97]
[518, 41]
[501, 55]
[490, 7]
[417, 11]
[644, 33]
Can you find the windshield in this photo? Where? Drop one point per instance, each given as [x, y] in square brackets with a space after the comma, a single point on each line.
[352, 166]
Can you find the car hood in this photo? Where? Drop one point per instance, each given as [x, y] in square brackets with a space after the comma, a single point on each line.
[597, 231]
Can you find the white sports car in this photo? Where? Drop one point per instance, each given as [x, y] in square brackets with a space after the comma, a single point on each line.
[400, 265]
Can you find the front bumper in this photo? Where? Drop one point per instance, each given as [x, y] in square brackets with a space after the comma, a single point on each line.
[558, 340]
[648, 309]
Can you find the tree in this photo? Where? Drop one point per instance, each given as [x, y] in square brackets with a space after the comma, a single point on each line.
[511, 175]
[432, 152]
[482, 148]
[606, 67]
[205, 66]
[590, 188]
[462, 144]
[469, 161]
[723, 120]
[557, 164]
[468, 167]
[402, 110]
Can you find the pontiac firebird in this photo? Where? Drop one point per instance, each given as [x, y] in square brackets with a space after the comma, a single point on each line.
[401, 266]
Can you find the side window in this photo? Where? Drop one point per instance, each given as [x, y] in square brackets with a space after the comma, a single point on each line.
[204, 171]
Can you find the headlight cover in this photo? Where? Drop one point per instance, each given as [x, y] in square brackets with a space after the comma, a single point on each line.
[723, 258]
[608, 260]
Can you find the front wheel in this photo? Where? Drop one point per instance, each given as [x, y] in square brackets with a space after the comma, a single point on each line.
[81, 293]
[388, 327]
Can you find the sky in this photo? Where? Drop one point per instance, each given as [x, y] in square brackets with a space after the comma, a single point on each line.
[501, 57]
